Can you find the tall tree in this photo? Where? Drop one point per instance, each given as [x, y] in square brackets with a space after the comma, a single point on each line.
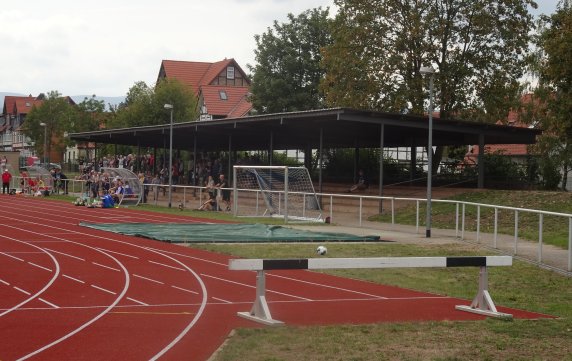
[288, 71]
[57, 115]
[477, 47]
[145, 105]
[554, 91]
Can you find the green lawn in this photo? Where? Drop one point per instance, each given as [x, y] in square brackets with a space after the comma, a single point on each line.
[555, 229]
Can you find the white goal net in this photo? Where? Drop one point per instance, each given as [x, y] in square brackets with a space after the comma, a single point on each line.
[276, 191]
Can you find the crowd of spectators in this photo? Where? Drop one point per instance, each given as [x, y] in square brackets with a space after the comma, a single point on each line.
[154, 175]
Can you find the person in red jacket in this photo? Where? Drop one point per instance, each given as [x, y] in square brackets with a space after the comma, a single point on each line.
[6, 178]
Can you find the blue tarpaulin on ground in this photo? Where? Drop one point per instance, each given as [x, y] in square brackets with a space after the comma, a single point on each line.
[223, 232]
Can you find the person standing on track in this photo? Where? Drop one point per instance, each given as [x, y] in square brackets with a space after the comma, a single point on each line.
[6, 178]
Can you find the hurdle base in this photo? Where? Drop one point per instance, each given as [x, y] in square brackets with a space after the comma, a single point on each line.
[489, 313]
[265, 321]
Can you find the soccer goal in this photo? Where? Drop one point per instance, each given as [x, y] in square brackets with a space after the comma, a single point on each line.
[276, 191]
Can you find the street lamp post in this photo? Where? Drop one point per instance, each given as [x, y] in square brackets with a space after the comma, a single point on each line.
[428, 70]
[45, 142]
[170, 106]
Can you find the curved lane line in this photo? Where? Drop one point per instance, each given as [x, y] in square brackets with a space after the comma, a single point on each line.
[197, 316]
[176, 339]
[88, 323]
[48, 285]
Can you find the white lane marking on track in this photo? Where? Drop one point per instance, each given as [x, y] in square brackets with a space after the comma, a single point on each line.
[21, 290]
[184, 289]
[9, 255]
[42, 267]
[103, 289]
[198, 314]
[48, 303]
[191, 257]
[104, 266]
[65, 254]
[93, 320]
[119, 253]
[4, 282]
[136, 301]
[195, 319]
[46, 286]
[323, 285]
[74, 279]
[148, 279]
[251, 286]
[220, 299]
[166, 265]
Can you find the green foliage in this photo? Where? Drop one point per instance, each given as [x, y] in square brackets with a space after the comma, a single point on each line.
[288, 72]
[58, 116]
[145, 106]
[553, 64]
[478, 48]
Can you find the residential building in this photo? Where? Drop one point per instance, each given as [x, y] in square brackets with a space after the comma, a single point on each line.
[14, 112]
[222, 88]
[517, 152]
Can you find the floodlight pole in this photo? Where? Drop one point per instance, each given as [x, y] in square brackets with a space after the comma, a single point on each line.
[429, 71]
[170, 170]
[45, 142]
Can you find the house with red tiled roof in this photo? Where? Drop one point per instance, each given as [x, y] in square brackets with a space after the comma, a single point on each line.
[14, 112]
[517, 152]
[222, 88]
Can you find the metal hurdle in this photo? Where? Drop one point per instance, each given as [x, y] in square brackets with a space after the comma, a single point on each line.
[482, 303]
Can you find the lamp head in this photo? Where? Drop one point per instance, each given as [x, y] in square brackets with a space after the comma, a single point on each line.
[168, 106]
[427, 70]
[42, 124]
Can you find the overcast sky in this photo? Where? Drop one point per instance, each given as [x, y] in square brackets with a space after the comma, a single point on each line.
[103, 47]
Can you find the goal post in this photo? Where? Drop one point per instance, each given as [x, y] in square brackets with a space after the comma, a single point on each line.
[275, 191]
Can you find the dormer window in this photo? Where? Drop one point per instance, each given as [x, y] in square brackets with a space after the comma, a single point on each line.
[230, 72]
[28, 104]
[222, 95]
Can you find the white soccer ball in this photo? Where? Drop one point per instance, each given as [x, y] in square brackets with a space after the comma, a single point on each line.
[321, 250]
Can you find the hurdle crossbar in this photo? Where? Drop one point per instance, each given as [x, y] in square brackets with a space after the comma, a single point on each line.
[482, 303]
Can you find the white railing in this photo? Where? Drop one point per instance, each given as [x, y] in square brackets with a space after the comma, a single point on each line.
[333, 203]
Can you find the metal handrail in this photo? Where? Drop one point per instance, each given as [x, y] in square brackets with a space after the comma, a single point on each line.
[460, 212]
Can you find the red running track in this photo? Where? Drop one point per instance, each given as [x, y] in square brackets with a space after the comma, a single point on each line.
[70, 292]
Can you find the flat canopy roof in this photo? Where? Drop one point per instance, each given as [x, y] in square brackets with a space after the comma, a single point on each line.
[334, 128]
